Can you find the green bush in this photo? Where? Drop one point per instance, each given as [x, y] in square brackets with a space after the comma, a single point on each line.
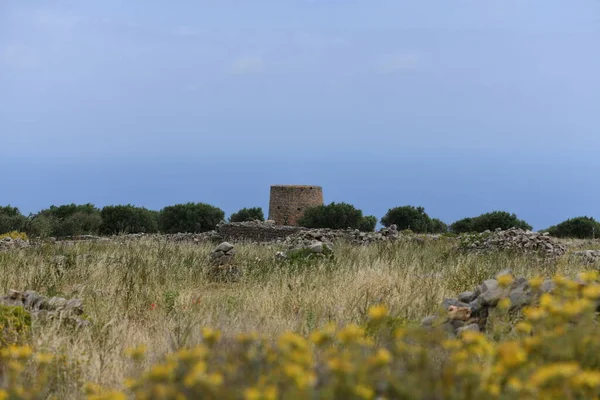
[39, 226]
[72, 219]
[190, 217]
[247, 214]
[128, 219]
[437, 226]
[407, 217]
[367, 223]
[11, 219]
[579, 227]
[464, 225]
[489, 221]
[332, 216]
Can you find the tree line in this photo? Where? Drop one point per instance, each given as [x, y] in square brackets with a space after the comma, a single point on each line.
[74, 219]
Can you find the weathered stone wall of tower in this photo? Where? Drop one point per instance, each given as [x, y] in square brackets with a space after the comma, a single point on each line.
[288, 202]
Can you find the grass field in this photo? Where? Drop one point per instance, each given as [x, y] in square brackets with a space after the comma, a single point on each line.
[156, 294]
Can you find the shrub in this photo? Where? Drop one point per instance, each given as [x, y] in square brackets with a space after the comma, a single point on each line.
[40, 226]
[437, 226]
[248, 214]
[15, 325]
[489, 221]
[78, 224]
[333, 216]
[579, 227]
[128, 219]
[11, 219]
[72, 219]
[407, 217]
[464, 225]
[190, 217]
[367, 223]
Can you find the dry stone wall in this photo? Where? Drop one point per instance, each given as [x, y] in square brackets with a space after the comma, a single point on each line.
[514, 239]
[255, 231]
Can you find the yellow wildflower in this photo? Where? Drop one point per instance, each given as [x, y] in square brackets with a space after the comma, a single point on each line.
[351, 333]
[196, 375]
[381, 358]
[256, 393]
[472, 337]
[339, 364]
[511, 354]
[210, 336]
[592, 292]
[17, 352]
[505, 280]
[515, 384]
[136, 353]
[504, 304]
[44, 358]
[451, 344]
[378, 312]
[588, 379]
[247, 337]
[364, 392]
[536, 282]
[161, 372]
[534, 313]
[493, 389]
[588, 276]
[576, 307]
[323, 336]
[291, 340]
[546, 373]
[524, 327]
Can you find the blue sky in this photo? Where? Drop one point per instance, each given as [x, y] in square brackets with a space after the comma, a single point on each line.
[462, 107]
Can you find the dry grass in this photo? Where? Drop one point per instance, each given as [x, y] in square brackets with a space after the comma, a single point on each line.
[119, 283]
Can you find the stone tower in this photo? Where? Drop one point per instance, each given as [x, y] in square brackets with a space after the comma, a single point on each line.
[288, 202]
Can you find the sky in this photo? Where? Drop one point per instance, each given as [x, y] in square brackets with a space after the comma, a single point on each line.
[462, 106]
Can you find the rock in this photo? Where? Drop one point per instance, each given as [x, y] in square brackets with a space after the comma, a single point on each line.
[547, 286]
[67, 310]
[224, 274]
[428, 321]
[316, 247]
[224, 247]
[447, 303]
[519, 297]
[467, 297]
[513, 239]
[491, 293]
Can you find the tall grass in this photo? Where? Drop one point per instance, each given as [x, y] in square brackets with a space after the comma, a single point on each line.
[154, 293]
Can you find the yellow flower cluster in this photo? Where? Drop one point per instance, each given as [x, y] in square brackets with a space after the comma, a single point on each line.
[14, 235]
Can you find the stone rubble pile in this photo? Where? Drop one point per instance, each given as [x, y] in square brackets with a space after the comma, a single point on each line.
[329, 236]
[307, 249]
[53, 308]
[513, 239]
[589, 256]
[9, 243]
[470, 310]
[222, 267]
